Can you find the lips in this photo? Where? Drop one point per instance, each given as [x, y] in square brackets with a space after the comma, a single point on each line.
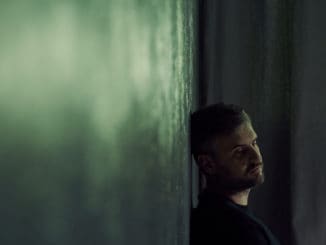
[256, 169]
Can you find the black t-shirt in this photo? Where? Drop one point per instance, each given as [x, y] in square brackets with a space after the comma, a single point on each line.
[219, 221]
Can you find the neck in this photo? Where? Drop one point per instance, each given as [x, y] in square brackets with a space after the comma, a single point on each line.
[238, 197]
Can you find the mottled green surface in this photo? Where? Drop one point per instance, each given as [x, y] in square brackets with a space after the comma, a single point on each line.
[95, 97]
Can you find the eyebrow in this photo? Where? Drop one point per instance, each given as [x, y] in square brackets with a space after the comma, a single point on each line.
[255, 138]
[237, 146]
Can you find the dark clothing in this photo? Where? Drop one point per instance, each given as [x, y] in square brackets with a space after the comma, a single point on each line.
[219, 221]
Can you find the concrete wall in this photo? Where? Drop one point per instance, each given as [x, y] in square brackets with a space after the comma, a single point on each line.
[95, 97]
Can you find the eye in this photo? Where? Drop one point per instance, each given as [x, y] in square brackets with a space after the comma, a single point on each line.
[239, 150]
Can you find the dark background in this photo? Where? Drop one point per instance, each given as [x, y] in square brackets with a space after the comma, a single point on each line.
[95, 98]
[269, 56]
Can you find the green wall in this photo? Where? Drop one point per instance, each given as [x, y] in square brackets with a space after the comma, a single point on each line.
[94, 104]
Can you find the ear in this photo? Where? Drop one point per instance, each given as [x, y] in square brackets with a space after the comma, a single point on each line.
[206, 164]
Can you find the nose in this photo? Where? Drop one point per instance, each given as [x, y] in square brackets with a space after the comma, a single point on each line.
[255, 154]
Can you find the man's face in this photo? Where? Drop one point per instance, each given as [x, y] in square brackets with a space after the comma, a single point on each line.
[237, 159]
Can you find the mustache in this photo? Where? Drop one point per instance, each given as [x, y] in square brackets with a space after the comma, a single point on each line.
[253, 165]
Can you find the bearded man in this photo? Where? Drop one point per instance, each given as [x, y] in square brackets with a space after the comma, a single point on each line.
[224, 146]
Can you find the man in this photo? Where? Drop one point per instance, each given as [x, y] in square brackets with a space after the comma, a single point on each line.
[224, 145]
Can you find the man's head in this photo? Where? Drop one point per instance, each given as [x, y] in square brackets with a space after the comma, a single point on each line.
[224, 145]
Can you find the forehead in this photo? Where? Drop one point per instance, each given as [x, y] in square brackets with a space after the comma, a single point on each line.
[245, 130]
[242, 135]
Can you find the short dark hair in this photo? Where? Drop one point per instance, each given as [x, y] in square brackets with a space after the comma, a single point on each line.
[211, 121]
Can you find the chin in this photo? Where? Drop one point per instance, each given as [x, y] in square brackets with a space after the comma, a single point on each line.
[261, 178]
[252, 182]
[257, 179]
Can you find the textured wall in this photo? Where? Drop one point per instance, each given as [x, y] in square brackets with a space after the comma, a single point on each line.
[95, 97]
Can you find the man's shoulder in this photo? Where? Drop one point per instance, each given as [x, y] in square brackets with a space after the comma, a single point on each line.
[223, 218]
[224, 224]
[221, 212]
[223, 230]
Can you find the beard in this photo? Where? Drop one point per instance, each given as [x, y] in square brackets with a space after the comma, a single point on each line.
[240, 184]
[249, 179]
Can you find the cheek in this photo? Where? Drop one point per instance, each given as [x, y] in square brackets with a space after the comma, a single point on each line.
[236, 167]
[240, 162]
